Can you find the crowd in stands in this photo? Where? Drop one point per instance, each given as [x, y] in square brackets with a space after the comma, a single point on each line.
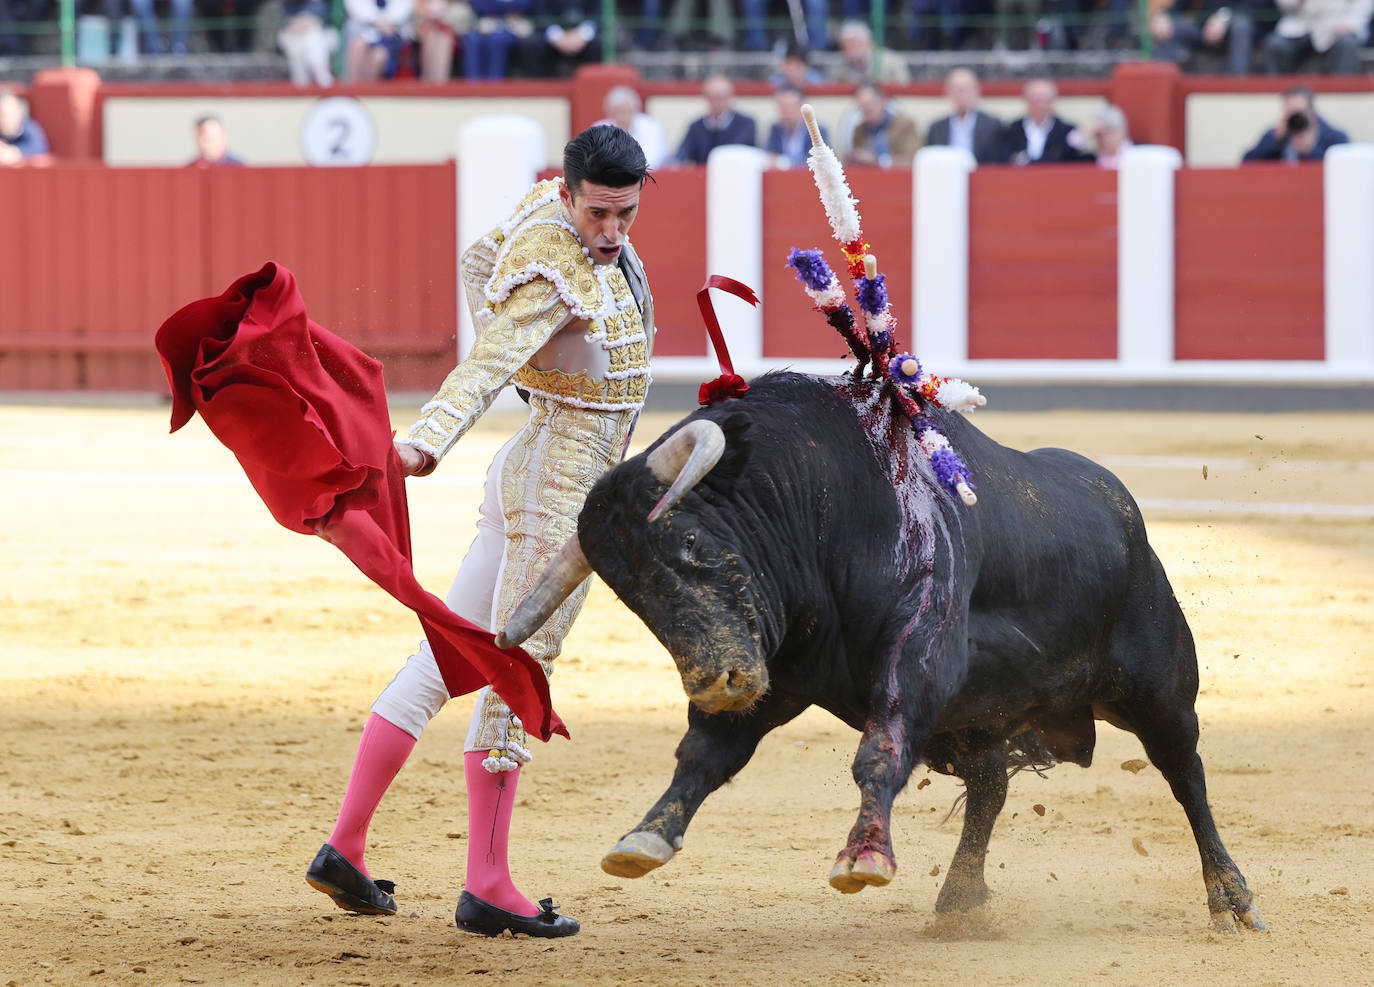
[876, 132]
[493, 39]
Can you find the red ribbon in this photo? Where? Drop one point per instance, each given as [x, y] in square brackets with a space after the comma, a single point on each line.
[729, 384]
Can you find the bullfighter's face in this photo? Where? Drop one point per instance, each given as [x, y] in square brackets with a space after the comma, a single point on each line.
[602, 216]
[684, 576]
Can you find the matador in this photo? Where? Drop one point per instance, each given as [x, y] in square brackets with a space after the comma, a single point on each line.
[562, 309]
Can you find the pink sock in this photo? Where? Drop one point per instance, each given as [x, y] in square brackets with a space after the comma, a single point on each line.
[381, 754]
[491, 797]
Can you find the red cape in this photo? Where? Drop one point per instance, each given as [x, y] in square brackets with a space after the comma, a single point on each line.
[306, 415]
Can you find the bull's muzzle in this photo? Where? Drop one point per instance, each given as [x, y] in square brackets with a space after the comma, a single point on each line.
[731, 691]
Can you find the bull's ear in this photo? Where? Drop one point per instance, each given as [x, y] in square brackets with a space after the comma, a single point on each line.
[737, 448]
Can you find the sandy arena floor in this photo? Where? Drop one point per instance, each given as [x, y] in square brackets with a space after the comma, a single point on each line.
[182, 684]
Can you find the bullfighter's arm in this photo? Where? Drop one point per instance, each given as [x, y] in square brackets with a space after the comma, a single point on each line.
[518, 327]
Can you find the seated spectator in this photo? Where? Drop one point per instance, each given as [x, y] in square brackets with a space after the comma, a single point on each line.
[568, 40]
[856, 45]
[501, 26]
[622, 108]
[439, 24]
[941, 23]
[212, 145]
[794, 69]
[377, 31]
[721, 125]
[153, 43]
[788, 140]
[1039, 136]
[307, 43]
[1224, 25]
[20, 136]
[967, 127]
[12, 41]
[1327, 32]
[1300, 135]
[755, 23]
[684, 30]
[1110, 136]
[234, 27]
[883, 136]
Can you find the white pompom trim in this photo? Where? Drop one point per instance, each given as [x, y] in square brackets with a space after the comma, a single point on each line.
[840, 205]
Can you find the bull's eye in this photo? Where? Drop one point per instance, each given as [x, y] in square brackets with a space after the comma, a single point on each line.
[689, 541]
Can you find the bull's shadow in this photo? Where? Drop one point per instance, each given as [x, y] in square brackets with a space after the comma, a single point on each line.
[793, 547]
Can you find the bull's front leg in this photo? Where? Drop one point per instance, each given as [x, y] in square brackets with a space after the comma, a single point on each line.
[714, 749]
[881, 768]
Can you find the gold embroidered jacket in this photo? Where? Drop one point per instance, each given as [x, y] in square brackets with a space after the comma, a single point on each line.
[525, 281]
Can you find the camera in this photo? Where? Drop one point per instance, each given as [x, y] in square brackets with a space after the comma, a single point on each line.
[1298, 122]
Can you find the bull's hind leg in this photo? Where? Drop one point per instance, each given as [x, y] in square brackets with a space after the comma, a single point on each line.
[1156, 648]
[715, 748]
[982, 762]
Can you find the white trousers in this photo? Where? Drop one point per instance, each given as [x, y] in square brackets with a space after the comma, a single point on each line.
[417, 693]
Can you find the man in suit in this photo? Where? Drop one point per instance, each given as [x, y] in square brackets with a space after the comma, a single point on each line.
[967, 127]
[884, 136]
[721, 124]
[1039, 136]
[788, 140]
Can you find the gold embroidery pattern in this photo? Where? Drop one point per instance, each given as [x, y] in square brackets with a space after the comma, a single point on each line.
[560, 454]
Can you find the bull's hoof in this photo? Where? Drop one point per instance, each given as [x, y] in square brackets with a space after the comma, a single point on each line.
[870, 868]
[1250, 918]
[636, 854]
[961, 895]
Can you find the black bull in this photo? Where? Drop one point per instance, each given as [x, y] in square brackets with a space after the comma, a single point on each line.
[816, 560]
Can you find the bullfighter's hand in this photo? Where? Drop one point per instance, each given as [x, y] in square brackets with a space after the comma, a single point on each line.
[413, 461]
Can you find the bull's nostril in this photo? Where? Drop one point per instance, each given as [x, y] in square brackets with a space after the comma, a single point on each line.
[736, 680]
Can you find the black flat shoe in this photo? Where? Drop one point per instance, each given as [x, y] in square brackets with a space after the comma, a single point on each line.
[350, 888]
[475, 915]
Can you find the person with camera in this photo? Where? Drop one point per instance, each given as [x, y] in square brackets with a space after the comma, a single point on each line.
[1300, 135]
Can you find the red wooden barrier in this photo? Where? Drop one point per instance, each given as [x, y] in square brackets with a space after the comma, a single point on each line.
[1042, 263]
[95, 258]
[794, 217]
[670, 236]
[1249, 263]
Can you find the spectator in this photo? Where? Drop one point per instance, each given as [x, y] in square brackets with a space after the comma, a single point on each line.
[622, 108]
[1300, 135]
[568, 40]
[376, 32]
[1224, 25]
[234, 27]
[756, 34]
[856, 45]
[788, 140]
[967, 127]
[307, 43]
[12, 41]
[794, 69]
[1110, 135]
[501, 26]
[721, 124]
[941, 23]
[1329, 32]
[720, 32]
[153, 42]
[20, 135]
[212, 145]
[439, 23]
[883, 136]
[1039, 136]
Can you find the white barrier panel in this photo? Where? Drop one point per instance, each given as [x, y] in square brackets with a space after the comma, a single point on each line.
[1145, 257]
[1348, 191]
[939, 255]
[498, 158]
[734, 245]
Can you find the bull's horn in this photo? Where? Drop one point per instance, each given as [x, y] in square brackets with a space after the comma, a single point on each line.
[687, 456]
[562, 575]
